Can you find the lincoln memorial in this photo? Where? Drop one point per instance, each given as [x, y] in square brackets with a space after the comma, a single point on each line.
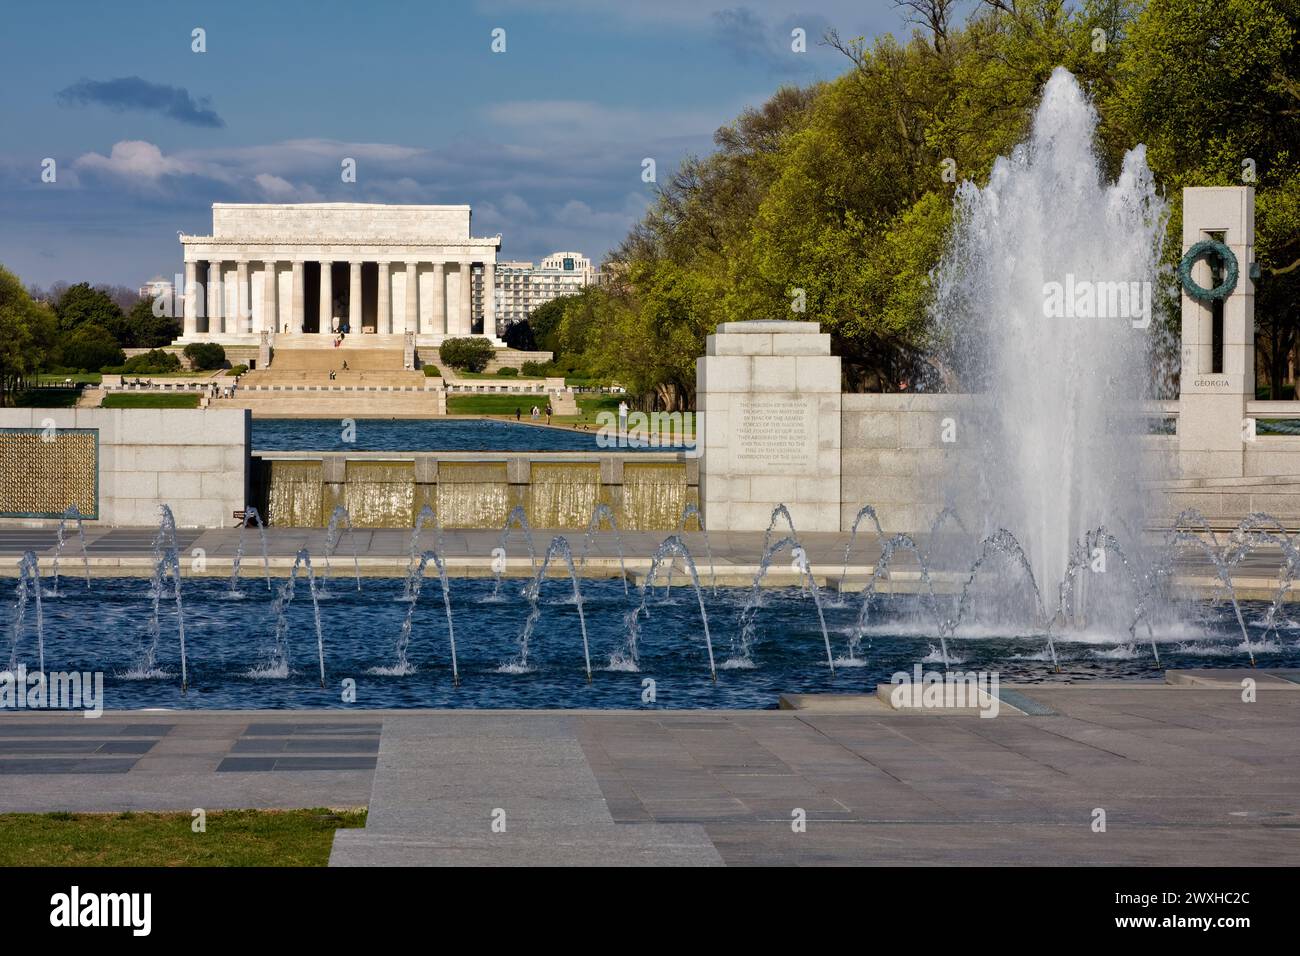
[371, 271]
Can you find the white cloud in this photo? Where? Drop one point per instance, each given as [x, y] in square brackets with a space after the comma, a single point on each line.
[135, 160]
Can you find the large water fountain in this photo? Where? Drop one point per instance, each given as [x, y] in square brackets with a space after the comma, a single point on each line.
[1051, 444]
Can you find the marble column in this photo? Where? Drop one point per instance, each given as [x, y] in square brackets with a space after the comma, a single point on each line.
[270, 321]
[191, 299]
[384, 318]
[412, 297]
[464, 316]
[438, 320]
[297, 305]
[243, 304]
[326, 299]
[214, 297]
[354, 300]
[489, 299]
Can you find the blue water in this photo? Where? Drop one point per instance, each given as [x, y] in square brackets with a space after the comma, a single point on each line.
[380, 434]
[227, 637]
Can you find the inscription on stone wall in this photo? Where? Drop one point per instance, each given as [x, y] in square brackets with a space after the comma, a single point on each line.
[773, 435]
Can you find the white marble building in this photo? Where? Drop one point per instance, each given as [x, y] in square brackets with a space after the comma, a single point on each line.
[303, 272]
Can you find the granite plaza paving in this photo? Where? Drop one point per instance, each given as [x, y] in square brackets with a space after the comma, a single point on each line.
[1187, 773]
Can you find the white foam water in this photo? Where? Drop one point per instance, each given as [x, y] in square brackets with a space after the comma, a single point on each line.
[1051, 430]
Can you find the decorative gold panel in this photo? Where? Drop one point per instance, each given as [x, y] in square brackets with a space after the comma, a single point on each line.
[42, 473]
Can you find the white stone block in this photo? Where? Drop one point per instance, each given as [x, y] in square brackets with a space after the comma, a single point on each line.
[818, 373]
[774, 373]
[738, 344]
[723, 373]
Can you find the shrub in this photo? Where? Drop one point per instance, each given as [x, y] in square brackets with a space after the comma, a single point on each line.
[153, 361]
[205, 355]
[238, 369]
[469, 354]
[432, 371]
[507, 371]
[534, 369]
[91, 347]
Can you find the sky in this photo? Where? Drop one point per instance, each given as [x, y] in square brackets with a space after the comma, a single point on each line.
[545, 141]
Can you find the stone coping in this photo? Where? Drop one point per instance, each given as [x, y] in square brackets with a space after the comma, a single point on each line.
[474, 456]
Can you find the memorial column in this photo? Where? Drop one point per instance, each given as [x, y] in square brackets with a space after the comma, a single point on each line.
[243, 306]
[354, 299]
[269, 317]
[298, 301]
[384, 318]
[489, 299]
[464, 316]
[412, 297]
[191, 305]
[214, 296]
[326, 326]
[438, 321]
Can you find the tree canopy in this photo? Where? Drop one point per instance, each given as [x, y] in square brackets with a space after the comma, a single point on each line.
[833, 202]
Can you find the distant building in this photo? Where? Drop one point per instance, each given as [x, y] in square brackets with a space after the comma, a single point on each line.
[155, 287]
[523, 286]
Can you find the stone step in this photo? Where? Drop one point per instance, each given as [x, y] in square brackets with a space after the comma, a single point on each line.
[443, 780]
[325, 359]
[610, 844]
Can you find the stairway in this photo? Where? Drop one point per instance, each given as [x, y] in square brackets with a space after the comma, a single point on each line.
[442, 781]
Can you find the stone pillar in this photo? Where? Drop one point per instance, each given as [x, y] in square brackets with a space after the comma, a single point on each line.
[1214, 438]
[384, 318]
[438, 321]
[191, 292]
[412, 297]
[489, 299]
[326, 299]
[243, 300]
[214, 297]
[354, 300]
[769, 402]
[464, 319]
[270, 319]
[297, 308]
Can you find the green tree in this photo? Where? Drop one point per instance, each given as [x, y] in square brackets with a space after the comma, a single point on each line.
[205, 355]
[468, 354]
[142, 329]
[1214, 92]
[27, 336]
[81, 305]
[90, 348]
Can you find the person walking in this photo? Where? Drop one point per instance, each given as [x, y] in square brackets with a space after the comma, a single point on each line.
[516, 413]
[548, 413]
[534, 413]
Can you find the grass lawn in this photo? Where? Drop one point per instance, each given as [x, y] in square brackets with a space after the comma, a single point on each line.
[504, 406]
[152, 400]
[47, 398]
[233, 838]
[88, 378]
[494, 377]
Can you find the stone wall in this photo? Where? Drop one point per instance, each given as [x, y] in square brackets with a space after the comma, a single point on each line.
[769, 396]
[195, 460]
[894, 457]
